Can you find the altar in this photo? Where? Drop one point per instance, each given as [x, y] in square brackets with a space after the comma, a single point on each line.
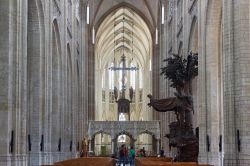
[130, 128]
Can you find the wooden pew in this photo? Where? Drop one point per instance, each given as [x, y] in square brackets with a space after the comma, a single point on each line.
[151, 160]
[88, 161]
[160, 162]
[166, 159]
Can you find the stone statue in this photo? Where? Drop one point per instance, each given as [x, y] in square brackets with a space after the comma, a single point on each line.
[131, 93]
[84, 151]
[115, 93]
[180, 72]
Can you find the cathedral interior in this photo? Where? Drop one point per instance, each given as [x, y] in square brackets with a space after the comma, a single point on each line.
[74, 70]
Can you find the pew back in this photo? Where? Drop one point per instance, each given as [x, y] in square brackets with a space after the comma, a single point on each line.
[88, 161]
[158, 162]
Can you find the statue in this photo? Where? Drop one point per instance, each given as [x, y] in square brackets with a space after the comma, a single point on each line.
[115, 93]
[180, 72]
[84, 151]
[131, 93]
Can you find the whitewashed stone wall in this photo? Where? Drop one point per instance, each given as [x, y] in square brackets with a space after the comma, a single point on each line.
[46, 71]
[222, 101]
[236, 95]
[43, 80]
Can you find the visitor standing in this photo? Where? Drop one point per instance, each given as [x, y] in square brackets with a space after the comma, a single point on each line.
[122, 155]
[126, 155]
[162, 152]
[143, 152]
[132, 155]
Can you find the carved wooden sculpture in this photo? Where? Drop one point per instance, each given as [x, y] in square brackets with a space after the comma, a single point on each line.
[180, 72]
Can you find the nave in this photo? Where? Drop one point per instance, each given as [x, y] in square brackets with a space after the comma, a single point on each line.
[95, 71]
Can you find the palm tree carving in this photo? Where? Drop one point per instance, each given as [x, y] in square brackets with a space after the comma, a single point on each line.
[180, 72]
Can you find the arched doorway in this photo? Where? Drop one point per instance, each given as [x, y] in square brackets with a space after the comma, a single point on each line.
[123, 139]
[131, 131]
[145, 141]
[102, 144]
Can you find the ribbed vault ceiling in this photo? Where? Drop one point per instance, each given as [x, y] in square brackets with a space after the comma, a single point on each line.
[123, 31]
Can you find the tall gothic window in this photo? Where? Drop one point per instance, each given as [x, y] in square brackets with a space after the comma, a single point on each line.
[111, 77]
[103, 81]
[132, 77]
[141, 80]
[120, 77]
[122, 117]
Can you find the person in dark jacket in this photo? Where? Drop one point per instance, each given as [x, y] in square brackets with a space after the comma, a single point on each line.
[162, 152]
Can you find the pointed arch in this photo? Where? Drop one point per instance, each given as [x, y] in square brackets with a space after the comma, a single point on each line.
[131, 7]
[193, 46]
[56, 66]
[193, 36]
[57, 36]
[180, 49]
[110, 37]
[56, 90]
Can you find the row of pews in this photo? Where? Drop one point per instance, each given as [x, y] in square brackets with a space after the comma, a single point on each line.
[166, 161]
[106, 161]
[87, 161]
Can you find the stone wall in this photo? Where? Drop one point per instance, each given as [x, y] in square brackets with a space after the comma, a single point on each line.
[222, 97]
[47, 74]
[43, 81]
[236, 94]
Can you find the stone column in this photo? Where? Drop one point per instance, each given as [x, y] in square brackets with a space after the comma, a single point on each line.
[90, 145]
[84, 117]
[157, 146]
[236, 85]
[113, 146]
[133, 142]
[202, 119]
[212, 81]
[106, 108]
[13, 82]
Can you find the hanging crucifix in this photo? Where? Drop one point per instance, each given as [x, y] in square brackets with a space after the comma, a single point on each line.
[123, 103]
[123, 69]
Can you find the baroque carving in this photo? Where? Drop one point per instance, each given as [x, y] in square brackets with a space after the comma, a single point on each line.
[180, 72]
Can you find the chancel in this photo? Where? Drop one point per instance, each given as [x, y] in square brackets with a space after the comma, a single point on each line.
[123, 103]
[122, 85]
[115, 82]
